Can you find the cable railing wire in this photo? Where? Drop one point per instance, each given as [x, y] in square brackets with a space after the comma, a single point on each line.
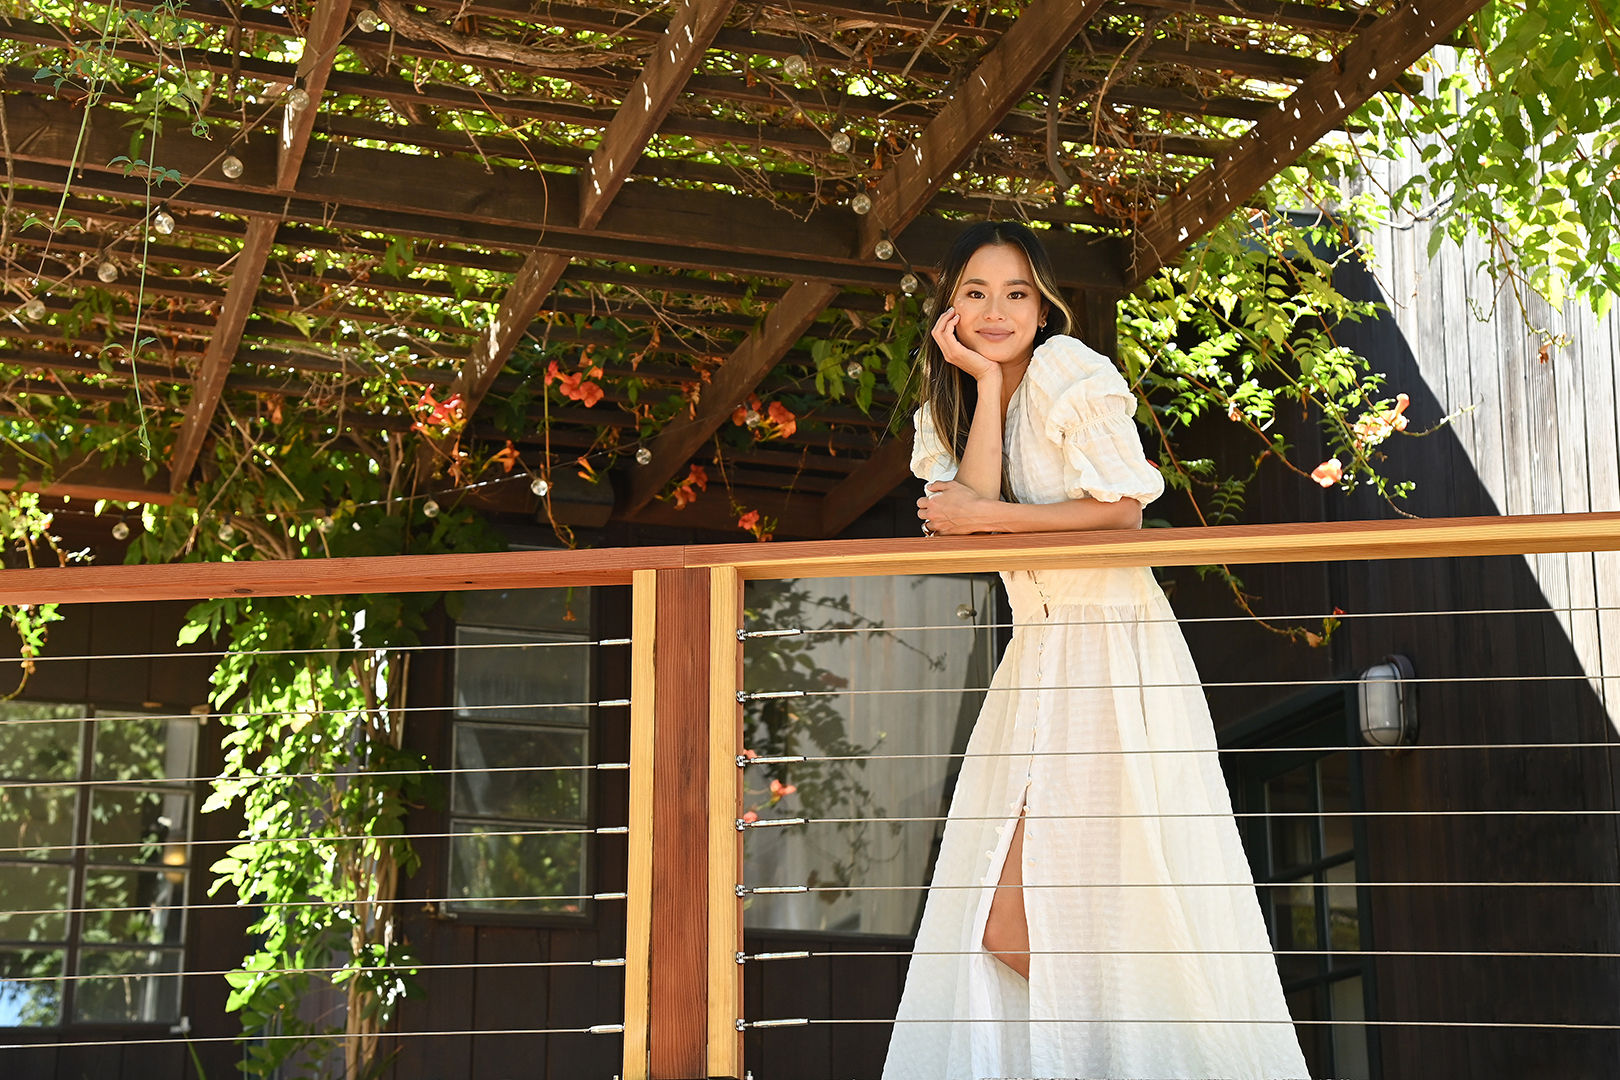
[412, 968]
[1267, 815]
[744, 1025]
[468, 712]
[159, 784]
[794, 759]
[328, 651]
[1516, 954]
[241, 905]
[1342, 616]
[596, 1029]
[745, 696]
[788, 890]
[313, 838]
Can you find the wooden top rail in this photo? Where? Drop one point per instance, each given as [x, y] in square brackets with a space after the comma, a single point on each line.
[1233, 545]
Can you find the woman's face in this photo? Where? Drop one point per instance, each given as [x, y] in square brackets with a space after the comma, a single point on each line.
[999, 306]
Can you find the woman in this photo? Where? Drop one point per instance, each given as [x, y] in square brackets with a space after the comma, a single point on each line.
[1108, 926]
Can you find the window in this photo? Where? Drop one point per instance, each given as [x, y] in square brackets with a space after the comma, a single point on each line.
[1307, 862]
[521, 707]
[942, 640]
[94, 867]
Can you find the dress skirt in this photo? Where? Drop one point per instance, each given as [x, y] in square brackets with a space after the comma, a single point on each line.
[1150, 958]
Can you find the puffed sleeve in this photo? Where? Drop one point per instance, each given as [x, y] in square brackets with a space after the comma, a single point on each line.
[931, 459]
[1091, 415]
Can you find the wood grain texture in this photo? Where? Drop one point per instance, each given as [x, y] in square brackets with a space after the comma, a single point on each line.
[789, 320]
[209, 383]
[638, 905]
[523, 299]
[325, 33]
[1035, 39]
[678, 1025]
[725, 804]
[692, 28]
[1332, 541]
[1235, 545]
[1338, 87]
[333, 577]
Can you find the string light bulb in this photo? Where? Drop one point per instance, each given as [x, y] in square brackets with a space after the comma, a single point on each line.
[752, 418]
[841, 142]
[795, 67]
[231, 166]
[324, 524]
[107, 272]
[965, 612]
[34, 309]
[227, 533]
[163, 222]
[928, 305]
[367, 21]
[884, 249]
[540, 486]
[297, 99]
[430, 508]
[909, 284]
[120, 530]
[644, 456]
[855, 369]
[861, 203]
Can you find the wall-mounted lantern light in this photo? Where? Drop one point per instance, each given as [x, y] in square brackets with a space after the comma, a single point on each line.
[1389, 704]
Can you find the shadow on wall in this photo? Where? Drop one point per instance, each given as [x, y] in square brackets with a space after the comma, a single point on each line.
[1539, 683]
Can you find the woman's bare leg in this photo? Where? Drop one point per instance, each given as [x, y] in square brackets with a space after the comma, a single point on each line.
[1006, 932]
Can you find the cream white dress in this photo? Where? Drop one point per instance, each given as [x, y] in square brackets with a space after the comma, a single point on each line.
[1150, 958]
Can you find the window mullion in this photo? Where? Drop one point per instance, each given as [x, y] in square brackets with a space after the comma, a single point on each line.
[76, 889]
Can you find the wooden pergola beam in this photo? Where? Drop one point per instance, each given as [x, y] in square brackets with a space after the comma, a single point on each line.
[320, 51]
[1036, 39]
[984, 98]
[216, 362]
[459, 202]
[858, 492]
[789, 320]
[639, 116]
[314, 69]
[643, 109]
[1273, 12]
[1337, 88]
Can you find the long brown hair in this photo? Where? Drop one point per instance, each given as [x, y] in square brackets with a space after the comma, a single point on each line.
[951, 396]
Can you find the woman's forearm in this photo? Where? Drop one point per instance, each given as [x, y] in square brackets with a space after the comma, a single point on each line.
[1073, 515]
[980, 468]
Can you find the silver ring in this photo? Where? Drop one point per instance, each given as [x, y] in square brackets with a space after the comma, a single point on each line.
[927, 531]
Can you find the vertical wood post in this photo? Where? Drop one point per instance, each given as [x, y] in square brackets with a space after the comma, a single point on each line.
[639, 900]
[678, 982]
[725, 842]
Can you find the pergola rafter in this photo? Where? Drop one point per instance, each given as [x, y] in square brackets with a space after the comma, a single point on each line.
[639, 116]
[481, 182]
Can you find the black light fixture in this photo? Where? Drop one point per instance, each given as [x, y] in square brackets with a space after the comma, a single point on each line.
[1389, 704]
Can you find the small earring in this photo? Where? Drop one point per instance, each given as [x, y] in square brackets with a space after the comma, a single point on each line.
[1043, 324]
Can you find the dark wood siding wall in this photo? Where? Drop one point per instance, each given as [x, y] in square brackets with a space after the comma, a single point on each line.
[482, 996]
[213, 937]
[1540, 438]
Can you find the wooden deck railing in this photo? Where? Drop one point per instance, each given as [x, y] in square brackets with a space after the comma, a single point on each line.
[683, 993]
